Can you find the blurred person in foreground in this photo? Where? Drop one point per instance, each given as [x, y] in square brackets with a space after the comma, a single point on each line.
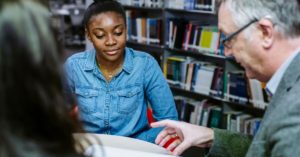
[264, 37]
[34, 116]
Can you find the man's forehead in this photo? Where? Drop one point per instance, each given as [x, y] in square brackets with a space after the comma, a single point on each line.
[225, 22]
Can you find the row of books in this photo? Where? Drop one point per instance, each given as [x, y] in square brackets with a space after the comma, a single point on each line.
[194, 36]
[143, 30]
[210, 114]
[209, 79]
[238, 88]
[143, 3]
[206, 5]
[193, 75]
[204, 113]
[241, 122]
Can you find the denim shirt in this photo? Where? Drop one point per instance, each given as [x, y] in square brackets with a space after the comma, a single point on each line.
[119, 107]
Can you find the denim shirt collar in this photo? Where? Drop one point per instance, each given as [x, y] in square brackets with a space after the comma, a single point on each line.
[90, 62]
[128, 62]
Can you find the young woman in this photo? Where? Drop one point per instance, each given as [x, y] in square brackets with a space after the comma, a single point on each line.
[34, 119]
[113, 83]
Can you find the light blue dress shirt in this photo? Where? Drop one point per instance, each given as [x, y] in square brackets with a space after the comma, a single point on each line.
[119, 107]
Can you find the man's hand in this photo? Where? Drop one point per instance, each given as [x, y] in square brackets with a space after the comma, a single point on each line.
[189, 135]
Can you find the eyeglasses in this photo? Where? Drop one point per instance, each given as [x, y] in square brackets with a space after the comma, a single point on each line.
[226, 40]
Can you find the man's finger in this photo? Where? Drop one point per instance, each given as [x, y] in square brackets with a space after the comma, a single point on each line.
[174, 144]
[161, 136]
[181, 148]
[164, 123]
[164, 140]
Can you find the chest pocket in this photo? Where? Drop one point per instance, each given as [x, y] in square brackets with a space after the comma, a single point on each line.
[86, 98]
[129, 98]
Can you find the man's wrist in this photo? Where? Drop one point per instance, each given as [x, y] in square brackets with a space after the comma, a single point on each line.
[207, 141]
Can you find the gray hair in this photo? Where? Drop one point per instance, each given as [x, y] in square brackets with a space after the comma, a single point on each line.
[284, 15]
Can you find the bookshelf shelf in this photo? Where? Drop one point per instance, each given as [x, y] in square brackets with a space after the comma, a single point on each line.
[230, 58]
[205, 56]
[129, 7]
[248, 107]
[190, 11]
[158, 49]
[193, 94]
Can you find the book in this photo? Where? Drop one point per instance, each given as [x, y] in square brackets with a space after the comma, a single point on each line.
[217, 83]
[99, 145]
[204, 79]
[215, 117]
[237, 87]
[178, 33]
[153, 31]
[256, 93]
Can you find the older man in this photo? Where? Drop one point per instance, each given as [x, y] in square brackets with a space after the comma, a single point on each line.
[264, 37]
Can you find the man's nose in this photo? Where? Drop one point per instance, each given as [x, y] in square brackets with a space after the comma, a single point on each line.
[228, 52]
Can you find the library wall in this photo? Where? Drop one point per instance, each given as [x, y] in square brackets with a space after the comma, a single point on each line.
[209, 89]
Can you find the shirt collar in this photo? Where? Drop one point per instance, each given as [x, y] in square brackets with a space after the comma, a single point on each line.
[90, 62]
[128, 62]
[90, 59]
[275, 79]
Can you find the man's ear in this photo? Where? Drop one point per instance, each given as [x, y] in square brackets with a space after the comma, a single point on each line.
[267, 32]
[87, 35]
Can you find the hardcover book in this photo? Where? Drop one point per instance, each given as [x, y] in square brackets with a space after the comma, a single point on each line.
[100, 145]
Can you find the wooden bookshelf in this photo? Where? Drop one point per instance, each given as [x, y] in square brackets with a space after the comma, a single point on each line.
[189, 11]
[249, 107]
[203, 55]
[159, 49]
[127, 7]
[162, 51]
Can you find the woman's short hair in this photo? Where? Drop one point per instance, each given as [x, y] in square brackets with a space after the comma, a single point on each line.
[102, 6]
